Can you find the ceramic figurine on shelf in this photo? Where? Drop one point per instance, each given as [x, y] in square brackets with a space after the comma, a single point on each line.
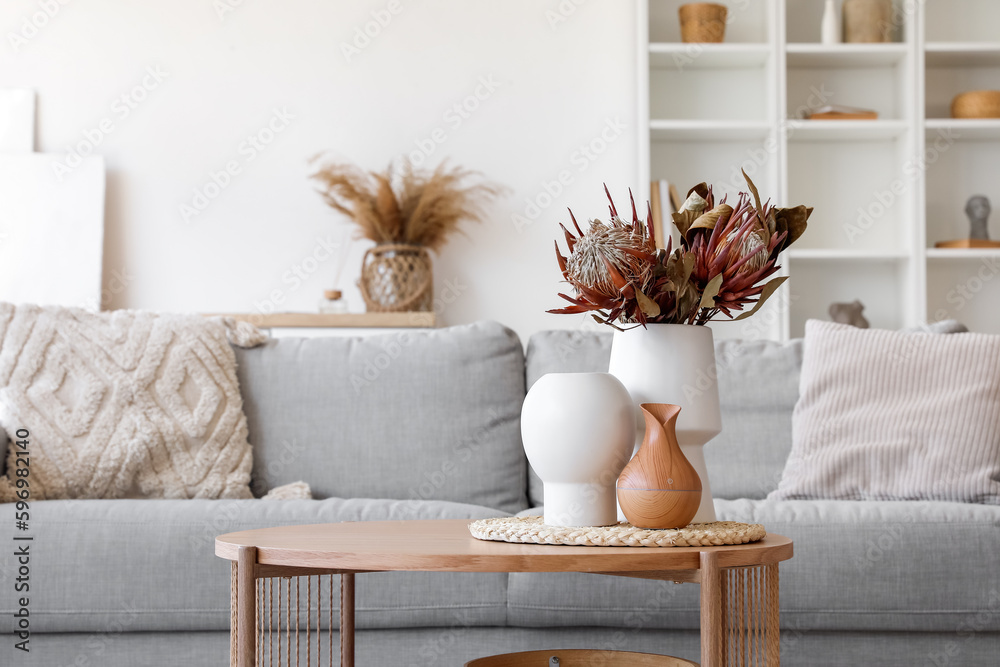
[830, 26]
[978, 209]
[849, 313]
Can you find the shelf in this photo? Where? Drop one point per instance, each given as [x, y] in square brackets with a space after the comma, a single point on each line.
[844, 130]
[421, 320]
[672, 55]
[807, 55]
[962, 54]
[964, 129]
[707, 130]
[963, 253]
[844, 255]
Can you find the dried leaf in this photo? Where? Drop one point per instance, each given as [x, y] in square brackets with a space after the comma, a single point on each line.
[769, 289]
[649, 307]
[702, 191]
[772, 223]
[687, 263]
[708, 220]
[607, 321]
[756, 196]
[569, 310]
[711, 291]
[794, 221]
[691, 209]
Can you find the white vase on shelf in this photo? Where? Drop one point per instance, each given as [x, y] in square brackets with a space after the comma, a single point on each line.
[830, 26]
[674, 363]
[578, 431]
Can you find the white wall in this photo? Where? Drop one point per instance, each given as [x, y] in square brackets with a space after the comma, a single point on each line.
[223, 73]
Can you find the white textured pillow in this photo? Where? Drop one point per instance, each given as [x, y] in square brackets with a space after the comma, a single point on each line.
[884, 415]
[123, 404]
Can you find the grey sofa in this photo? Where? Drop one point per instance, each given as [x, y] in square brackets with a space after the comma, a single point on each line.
[425, 425]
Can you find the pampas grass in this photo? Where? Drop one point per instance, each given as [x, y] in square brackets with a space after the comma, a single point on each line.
[406, 205]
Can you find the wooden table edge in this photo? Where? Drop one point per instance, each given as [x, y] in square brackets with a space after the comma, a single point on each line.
[533, 557]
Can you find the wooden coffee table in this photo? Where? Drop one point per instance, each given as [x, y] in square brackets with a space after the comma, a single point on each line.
[739, 584]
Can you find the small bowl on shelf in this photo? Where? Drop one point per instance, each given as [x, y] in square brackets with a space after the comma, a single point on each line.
[976, 104]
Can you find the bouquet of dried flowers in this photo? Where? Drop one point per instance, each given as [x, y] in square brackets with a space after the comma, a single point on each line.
[405, 205]
[726, 255]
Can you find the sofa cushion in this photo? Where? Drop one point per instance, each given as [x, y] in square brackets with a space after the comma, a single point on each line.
[885, 565]
[428, 415]
[149, 565]
[865, 566]
[124, 403]
[885, 415]
[758, 387]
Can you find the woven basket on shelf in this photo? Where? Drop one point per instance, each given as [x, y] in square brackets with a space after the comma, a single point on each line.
[702, 22]
[976, 104]
[397, 278]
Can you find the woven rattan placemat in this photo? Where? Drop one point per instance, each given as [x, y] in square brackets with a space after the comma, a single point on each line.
[531, 530]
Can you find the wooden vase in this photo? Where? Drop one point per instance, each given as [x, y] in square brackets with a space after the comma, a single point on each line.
[659, 488]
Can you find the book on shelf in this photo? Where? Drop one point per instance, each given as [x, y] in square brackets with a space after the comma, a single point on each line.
[664, 202]
[656, 210]
[675, 199]
[837, 112]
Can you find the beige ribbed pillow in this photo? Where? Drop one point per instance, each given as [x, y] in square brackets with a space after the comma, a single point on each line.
[885, 415]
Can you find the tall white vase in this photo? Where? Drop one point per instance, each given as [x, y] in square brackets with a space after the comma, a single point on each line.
[674, 363]
[578, 432]
[830, 25]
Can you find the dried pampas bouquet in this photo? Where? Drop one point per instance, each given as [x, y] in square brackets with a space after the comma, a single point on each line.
[405, 211]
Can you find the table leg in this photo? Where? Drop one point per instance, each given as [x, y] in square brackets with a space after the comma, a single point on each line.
[772, 625]
[739, 614]
[347, 620]
[712, 630]
[244, 596]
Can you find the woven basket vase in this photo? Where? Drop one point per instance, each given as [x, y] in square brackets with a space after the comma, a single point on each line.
[702, 22]
[397, 278]
[976, 104]
[868, 21]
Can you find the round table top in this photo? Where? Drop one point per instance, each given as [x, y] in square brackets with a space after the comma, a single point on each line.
[446, 545]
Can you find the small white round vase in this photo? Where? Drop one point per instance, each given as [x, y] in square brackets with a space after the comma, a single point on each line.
[578, 431]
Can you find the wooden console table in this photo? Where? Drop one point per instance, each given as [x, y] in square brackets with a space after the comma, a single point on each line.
[739, 584]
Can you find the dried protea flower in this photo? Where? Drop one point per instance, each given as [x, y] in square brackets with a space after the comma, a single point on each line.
[614, 244]
[726, 254]
[736, 248]
[610, 266]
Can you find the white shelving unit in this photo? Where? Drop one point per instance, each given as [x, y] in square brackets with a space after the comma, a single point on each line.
[884, 190]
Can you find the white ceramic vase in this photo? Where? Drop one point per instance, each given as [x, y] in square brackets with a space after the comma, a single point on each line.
[578, 432]
[830, 25]
[674, 363]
